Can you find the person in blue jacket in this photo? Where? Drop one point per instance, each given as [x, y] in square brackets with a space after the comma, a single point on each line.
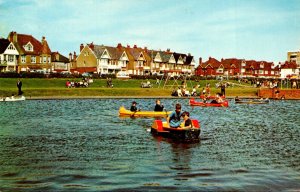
[174, 118]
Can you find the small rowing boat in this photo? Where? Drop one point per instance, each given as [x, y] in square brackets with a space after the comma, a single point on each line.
[125, 112]
[252, 101]
[179, 134]
[12, 98]
[210, 97]
[208, 104]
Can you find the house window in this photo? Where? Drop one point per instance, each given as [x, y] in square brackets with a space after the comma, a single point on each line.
[261, 71]
[11, 47]
[220, 70]
[29, 47]
[33, 59]
[49, 59]
[23, 59]
[261, 65]
[10, 58]
[44, 59]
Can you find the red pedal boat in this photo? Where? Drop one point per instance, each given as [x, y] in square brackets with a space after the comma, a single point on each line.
[208, 104]
[178, 134]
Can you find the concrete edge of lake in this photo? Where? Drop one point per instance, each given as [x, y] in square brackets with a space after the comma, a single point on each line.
[120, 97]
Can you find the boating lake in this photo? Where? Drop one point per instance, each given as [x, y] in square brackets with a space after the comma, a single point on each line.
[82, 145]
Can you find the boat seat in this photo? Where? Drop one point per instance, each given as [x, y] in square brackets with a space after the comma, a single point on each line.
[195, 123]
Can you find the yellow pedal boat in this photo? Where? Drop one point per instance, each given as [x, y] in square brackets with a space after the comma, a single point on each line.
[128, 113]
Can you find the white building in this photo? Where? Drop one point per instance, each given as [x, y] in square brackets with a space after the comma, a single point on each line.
[8, 56]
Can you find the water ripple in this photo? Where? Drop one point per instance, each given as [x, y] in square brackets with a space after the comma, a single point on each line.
[82, 145]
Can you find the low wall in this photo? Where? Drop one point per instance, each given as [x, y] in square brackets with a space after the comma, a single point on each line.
[286, 93]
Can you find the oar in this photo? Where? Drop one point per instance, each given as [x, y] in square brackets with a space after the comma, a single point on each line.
[133, 113]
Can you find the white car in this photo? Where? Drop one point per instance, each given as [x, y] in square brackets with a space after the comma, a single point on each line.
[122, 75]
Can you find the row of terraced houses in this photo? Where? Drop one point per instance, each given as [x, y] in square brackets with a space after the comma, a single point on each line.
[22, 52]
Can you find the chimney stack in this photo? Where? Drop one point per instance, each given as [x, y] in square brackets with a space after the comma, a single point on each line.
[74, 56]
[13, 37]
[81, 47]
[70, 57]
[135, 46]
[119, 45]
[200, 60]
[128, 46]
[92, 46]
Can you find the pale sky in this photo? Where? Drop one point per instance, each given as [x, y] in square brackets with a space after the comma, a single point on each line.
[244, 29]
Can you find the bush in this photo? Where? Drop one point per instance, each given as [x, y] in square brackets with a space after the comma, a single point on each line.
[9, 75]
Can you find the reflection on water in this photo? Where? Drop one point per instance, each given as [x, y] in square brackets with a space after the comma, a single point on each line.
[82, 145]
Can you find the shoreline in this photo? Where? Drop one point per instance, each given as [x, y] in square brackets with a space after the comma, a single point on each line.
[121, 97]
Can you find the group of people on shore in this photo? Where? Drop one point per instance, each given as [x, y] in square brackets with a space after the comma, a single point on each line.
[83, 83]
[174, 119]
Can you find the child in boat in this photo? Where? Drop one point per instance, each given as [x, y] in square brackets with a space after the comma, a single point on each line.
[237, 98]
[187, 123]
[133, 107]
[158, 106]
[174, 118]
[218, 99]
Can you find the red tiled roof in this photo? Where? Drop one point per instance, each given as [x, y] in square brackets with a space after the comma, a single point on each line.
[214, 63]
[288, 65]
[38, 47]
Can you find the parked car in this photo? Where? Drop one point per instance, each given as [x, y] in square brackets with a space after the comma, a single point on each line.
[86, 74]
[122, 75]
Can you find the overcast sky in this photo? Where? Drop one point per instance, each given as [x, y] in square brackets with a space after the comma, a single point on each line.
[244, 29]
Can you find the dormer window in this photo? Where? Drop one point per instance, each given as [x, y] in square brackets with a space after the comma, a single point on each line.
[261, 65]
[28, 47]
[11, 47]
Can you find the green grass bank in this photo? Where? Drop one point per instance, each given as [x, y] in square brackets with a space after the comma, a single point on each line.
[52, 87]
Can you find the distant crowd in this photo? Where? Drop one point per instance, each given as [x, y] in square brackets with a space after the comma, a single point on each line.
[83, 83]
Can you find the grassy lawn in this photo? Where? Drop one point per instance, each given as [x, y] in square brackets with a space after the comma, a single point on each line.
[37, 87]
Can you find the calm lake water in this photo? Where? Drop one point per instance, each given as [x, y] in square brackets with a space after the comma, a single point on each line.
[82, 145]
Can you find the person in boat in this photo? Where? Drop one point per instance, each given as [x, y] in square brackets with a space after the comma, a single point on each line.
[133, 107]
[158, 106]
[204, 99]
[174, 118]
[187, 122]
[237, 98]
[218, 99]
[194, 91]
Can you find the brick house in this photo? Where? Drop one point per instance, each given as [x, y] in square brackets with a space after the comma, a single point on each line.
[100, 59]
[237, 68]
[132, 60]
[171, 62]
[33, 54]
